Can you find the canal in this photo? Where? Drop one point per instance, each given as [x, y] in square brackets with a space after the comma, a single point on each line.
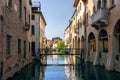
[58, 68]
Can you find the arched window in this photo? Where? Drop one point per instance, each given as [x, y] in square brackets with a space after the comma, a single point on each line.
[117, 34]
[82, 42]
[91, 41]
[103, 37]
[78, 42]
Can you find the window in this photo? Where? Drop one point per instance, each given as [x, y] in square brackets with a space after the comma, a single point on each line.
[20, 8]
[98, 4]
[119, 43]
[29, 47]
[80, 6]
[94, 8]
[9, 3]
[29, 18]
[78, 26]
[112, 2]
[33, 30]
[33, 17]
[105, 45]
[19, 46]
[87, 19]
[9, 45]
[25, 13]
[33, 48]
[24, 49]
[104, 2]
[93, 45]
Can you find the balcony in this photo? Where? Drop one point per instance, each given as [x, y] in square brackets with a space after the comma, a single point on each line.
[26, 26]
[36, 9]
[100, 18]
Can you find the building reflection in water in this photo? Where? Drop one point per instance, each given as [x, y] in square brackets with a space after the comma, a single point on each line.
[31, 72]
[80, 71]
[86, 71]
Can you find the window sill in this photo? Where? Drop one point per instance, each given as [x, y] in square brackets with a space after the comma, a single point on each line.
[112, 6]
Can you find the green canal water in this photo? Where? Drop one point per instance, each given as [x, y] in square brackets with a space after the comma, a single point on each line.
[57, 70]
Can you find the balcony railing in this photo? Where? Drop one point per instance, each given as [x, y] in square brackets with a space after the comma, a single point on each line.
[100, 18]
[36, 9]
[26, 26]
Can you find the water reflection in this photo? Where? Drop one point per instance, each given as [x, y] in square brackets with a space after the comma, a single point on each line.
[81, 71]
[86, 71]
[31, 72]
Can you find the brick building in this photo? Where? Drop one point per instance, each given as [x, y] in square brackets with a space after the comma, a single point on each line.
[38, 29]
[98, 23]
[35, 29]
[102, 33]
[15, 36]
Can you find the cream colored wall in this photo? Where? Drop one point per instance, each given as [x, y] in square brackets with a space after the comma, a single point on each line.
[81, 12]
[72, 28]
[54, 45]
[42, 32]
[80, 19]
[66, 36]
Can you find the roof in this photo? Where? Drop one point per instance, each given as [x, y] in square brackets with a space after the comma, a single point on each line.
[76, 3]
[37, 10]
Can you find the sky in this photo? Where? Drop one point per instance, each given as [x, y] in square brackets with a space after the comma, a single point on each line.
[57, 14]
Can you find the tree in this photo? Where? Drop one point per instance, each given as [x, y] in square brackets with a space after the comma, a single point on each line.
[60, 47]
